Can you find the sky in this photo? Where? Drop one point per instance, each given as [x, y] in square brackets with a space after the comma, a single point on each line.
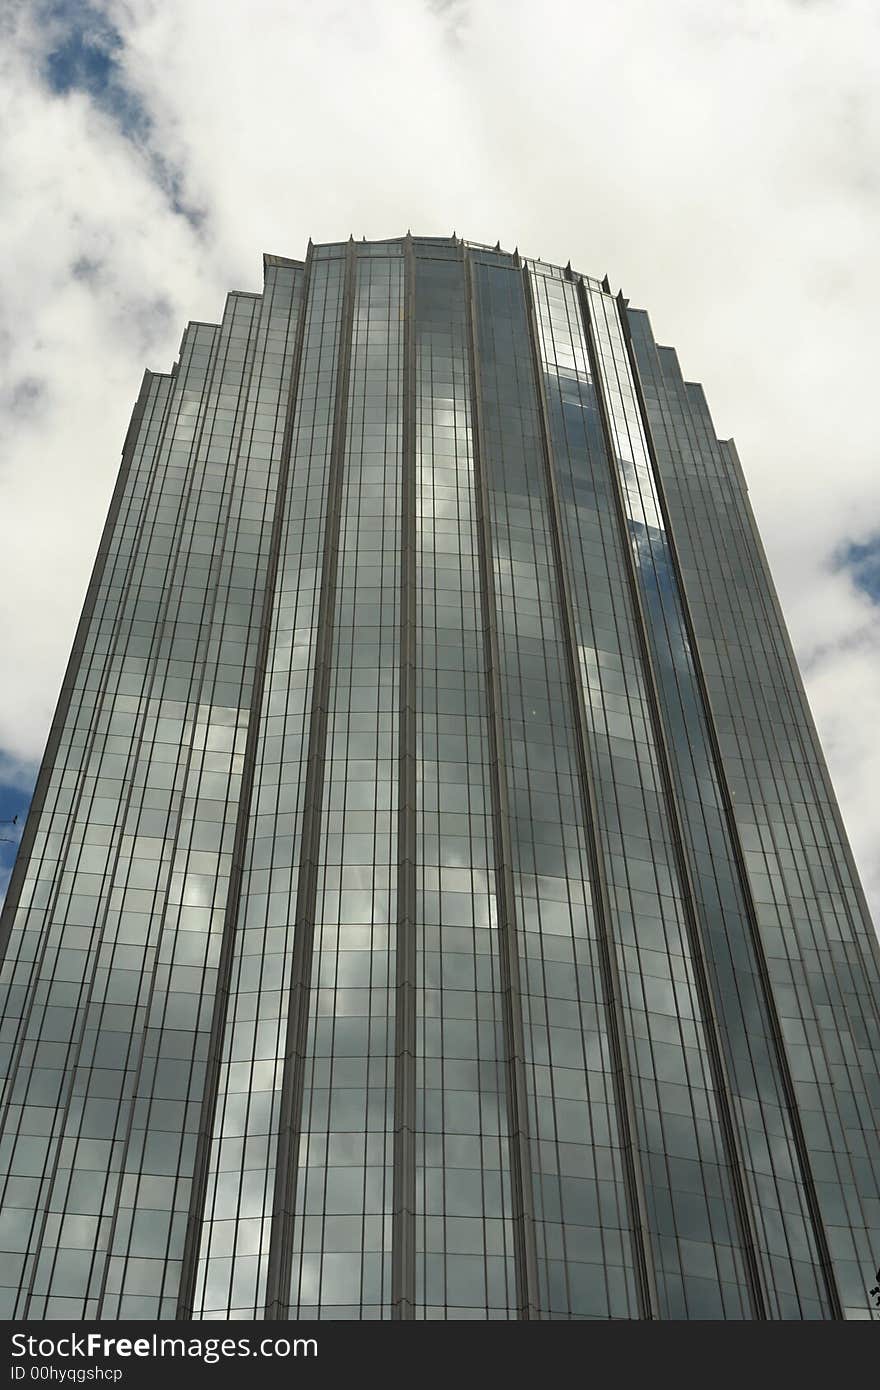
[721, 163]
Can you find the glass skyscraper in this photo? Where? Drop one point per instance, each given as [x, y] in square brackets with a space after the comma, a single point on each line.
[434, 903]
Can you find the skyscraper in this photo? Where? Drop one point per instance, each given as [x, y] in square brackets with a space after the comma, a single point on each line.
[434, 903]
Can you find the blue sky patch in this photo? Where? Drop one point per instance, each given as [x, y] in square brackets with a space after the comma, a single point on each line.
[14, 801]
[863, 563]
[85, 55]
[85, 58]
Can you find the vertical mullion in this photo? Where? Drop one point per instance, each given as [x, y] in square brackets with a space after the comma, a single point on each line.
[761, 969]
[290, 1124]
[621, 1081]
[195, 1216]
[522, 1192]
[403, 1238]
[75, 661]
[701, 968]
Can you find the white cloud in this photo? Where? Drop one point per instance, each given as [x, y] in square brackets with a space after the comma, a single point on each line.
[720, 163]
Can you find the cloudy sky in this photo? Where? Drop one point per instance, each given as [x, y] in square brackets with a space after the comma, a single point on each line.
[720, 162]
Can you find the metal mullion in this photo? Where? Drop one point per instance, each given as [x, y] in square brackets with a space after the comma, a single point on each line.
[48, 767]
[620, 1079]
[717, 1064]
[522, 1191]
[280, 1256]
[87, 984]
[210, 1093]
[700, 421]
[403, 1239]
[196, 685]
[749, 911]
[795, 697]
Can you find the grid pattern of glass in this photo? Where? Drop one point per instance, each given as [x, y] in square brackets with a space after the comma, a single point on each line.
[342, 1251]
[156, 725]
[692, 1218]
[240, 1116]
[464, 1238]
[433, 902]
[817, 937]
[578, 1191]
[784, 1236]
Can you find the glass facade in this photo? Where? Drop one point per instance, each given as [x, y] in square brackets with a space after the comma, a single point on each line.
[434, 903]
